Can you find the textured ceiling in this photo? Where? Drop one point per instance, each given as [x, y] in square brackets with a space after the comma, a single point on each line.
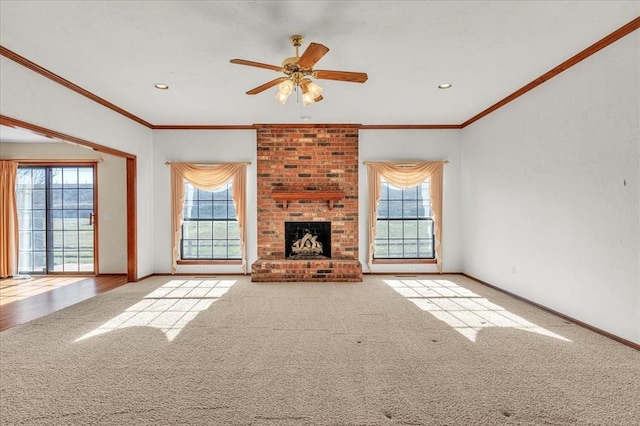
[486, 49]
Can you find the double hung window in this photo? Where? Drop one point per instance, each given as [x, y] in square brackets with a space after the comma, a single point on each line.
[210, 225]
[404, 225]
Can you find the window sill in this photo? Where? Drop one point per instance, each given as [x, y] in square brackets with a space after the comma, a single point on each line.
[210, 262]
[404, 261]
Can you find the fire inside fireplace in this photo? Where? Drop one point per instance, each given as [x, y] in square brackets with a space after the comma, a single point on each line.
[307, 240]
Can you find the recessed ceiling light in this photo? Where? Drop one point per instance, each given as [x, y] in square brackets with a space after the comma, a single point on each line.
[444, 86]
[161, 86]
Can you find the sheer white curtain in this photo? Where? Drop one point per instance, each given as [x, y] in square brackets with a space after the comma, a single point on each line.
[406, 176]
[207, 178]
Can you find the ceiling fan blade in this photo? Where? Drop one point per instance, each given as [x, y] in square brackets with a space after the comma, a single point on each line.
[353, 77]
[266, 86]
[314, 52]
[256, 64]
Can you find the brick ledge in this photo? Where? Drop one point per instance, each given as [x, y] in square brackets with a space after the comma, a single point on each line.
[329, 270]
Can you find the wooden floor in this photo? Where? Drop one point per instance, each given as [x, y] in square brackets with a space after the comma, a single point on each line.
[22, 300]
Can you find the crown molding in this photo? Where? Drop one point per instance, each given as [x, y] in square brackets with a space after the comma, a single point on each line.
[616, 35]
[307, 126]
[409, 126]
[599, 45]
[14, 122]
[203, 127]
[69, 85]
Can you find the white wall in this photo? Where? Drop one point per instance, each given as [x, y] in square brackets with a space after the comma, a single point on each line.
[551, 188]
[29, 97]
[200, 146]
[238, 145]
[412, 145]
[111, 215]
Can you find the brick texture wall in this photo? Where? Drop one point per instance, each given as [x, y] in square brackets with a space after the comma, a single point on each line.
[307, 159]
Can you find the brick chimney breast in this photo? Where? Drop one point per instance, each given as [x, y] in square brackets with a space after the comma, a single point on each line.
[317, 169]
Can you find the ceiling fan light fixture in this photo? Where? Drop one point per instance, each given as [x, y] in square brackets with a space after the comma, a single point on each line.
[307, 99]
[314, 89]
[286, 87]
[282, 97]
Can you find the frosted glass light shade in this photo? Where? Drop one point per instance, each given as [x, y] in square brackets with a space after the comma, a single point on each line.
[286, 87]
[314, 89]
[282, 97]
[307, 99]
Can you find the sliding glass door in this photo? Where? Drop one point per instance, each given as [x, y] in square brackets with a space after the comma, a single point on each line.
[56, 219]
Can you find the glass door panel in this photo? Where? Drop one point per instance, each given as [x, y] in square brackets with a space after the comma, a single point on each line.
[32, 225]
[55, 208]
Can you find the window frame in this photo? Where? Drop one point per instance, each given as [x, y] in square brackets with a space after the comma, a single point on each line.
[385, 197]
[212, 219]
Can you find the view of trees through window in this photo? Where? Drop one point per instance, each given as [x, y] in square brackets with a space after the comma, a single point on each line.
[210, 227]
[404, 228]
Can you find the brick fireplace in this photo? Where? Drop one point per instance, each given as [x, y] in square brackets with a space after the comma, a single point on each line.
[307, 240]
[307, 174]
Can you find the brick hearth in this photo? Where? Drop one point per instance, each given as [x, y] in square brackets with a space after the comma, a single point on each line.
[307, 162]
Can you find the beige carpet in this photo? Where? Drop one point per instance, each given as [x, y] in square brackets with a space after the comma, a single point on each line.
[426, 350]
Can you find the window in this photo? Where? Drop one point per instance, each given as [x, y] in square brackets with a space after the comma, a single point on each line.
[404, 227]
[210, 227]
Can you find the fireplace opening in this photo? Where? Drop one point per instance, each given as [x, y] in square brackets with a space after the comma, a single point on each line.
[307, 240]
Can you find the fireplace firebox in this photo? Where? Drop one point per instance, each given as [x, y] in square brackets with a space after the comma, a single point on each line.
[307, 240]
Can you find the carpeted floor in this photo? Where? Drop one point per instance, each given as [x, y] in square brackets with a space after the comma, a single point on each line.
[426, 350]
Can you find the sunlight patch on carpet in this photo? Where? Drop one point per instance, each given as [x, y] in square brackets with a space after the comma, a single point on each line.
[169, 308]
[16, 289]
[462, 309]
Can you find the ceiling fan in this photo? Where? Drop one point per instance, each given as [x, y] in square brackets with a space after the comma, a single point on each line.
[298, 69]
